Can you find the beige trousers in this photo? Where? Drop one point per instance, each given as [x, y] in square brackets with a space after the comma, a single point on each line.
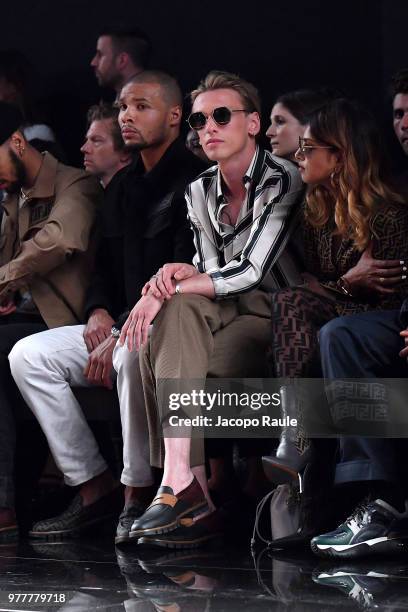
[194, 338]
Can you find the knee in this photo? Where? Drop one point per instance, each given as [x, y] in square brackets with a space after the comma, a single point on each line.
[125, 361]
[335, 334]
[185, 306]
[288, 303]
[184, 302]
[22, 357]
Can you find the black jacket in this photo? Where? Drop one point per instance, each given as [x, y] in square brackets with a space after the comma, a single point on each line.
[144, 225]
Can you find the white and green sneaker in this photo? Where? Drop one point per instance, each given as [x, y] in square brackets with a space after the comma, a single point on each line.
[373, 528]
[370, 586]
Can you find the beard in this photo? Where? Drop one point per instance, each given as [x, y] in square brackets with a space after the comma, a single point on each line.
[138, 146]
[142, 143]
[20, 171]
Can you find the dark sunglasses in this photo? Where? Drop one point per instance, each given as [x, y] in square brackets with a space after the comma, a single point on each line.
[221, 115]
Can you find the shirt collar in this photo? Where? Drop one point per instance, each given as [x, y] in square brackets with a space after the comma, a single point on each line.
[167, 164]
[246, 179]
[44, 186]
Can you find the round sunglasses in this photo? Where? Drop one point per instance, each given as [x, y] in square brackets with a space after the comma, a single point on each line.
[221, 115]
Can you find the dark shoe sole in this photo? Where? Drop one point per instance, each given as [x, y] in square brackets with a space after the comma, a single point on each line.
[190, 513]
[74, 532]
[179, 544]
[387, 547]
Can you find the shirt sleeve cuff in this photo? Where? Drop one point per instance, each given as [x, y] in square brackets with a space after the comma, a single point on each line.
[219, 283]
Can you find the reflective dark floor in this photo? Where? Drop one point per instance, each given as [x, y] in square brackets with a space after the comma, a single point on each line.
[91, 575]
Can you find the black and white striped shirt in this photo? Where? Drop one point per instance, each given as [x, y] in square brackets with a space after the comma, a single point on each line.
[255, 251]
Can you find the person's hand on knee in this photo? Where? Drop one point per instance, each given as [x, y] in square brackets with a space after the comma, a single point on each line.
[98, 328]
[136, 328]
[99, 367]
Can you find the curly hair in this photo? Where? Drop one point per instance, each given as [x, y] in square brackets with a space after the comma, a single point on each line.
[358, 189]
[399, 82]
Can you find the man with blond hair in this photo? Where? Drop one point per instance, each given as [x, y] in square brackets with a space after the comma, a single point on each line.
[212, 318]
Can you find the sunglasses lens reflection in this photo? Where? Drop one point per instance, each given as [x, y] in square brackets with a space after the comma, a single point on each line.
[222, 115]
[197, 121]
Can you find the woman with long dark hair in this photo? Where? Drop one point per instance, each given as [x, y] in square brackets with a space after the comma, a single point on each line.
[355, 229]
[289, 117]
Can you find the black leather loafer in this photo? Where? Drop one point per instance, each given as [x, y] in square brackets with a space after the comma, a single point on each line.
[190, 534]
[166, 510]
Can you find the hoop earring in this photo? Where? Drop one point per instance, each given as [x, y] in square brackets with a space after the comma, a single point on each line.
[334, 179]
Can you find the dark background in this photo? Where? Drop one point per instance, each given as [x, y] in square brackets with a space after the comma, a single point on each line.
[353, 46]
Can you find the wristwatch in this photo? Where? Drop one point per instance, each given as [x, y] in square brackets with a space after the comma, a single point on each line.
[115, 332]
[344, 286]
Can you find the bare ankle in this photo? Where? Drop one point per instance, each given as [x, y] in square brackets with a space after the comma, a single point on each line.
[177, 482]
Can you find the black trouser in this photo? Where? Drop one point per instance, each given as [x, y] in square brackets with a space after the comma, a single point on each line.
[13, 327]
[365, 345]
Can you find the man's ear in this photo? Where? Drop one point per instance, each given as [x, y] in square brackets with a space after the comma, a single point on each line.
[121, 60]
[175, 114]
[18, 143]
[254, 124]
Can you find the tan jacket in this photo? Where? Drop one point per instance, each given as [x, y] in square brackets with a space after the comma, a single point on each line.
[45, 246]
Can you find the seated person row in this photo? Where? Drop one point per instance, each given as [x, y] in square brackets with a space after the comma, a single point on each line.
[338, 154]
[371, 345]
[45, 264]
[212, 318]
[144, 225]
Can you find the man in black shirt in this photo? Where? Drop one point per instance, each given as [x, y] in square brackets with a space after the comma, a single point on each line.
[149, 228]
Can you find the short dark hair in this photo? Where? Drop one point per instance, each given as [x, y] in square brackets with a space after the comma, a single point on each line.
[303, 103]
[132, 41]
[169, 86]
[399, 82]
[218, 79]
[104, 110]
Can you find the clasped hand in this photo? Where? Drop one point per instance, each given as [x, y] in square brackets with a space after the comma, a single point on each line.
[163, 284]
[404, 352]
[371, 275]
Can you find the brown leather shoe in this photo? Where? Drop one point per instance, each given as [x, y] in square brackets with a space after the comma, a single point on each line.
[166, 510]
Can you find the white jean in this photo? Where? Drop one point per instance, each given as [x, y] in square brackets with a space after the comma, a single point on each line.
[45, 366]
